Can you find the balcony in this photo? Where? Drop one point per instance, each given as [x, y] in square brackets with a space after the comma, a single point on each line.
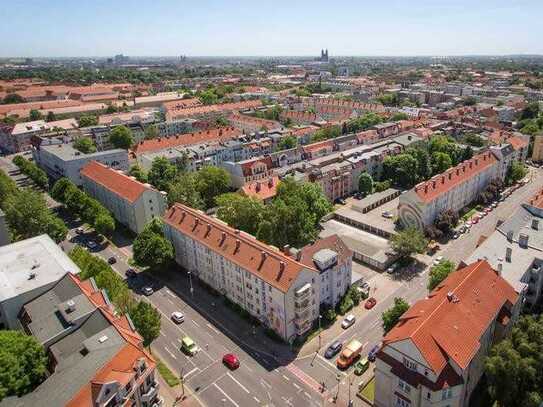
[151, 393]
[302, 328]
[300, 305]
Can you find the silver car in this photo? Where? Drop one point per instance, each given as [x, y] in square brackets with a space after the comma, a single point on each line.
[348, 321]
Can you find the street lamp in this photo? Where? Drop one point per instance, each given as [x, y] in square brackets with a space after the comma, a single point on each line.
[350, 401]
[338, 377]
[190, 282]
[320, 332]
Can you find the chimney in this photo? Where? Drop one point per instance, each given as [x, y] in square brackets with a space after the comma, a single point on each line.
[263, 256]
[434, 184]
[257, 188]
[523, 240]
[270, 183]
[298, 255]
[450, 175]
[238, 243]
[458, 171]
[450, 296]
[286, 249]
[508, 253]
[208, 230]
[196, 222]
[183, 214]
[281, 270]
[442, 179]
[500, 268]
[223, 238]
[535, 224]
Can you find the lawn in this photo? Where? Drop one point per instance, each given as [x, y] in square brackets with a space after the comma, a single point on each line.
[368, 392]
[167, 374]
[469, 214]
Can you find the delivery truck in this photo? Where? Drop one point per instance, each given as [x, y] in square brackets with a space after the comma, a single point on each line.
[349, 354]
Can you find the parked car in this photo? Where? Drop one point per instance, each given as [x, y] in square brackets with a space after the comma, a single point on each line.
[333, 350]
[456, 236]
[370, 303]
[361, 366]
[188, 346]
[112, 260]
[231, 361]
[177, 317]
[80, 231]
[373, 353]
[475, 220]
[348, 321]
[91, 245]
[387, 214]
[130, 273]
[392, 269]
[364, 290]
[148, 290]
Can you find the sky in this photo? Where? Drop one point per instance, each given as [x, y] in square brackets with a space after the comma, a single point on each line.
[49, 28]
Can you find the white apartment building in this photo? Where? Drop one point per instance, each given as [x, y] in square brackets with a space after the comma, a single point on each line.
[434, 356]
[453, 189]
[63, 160]
[334, 262]
[131, 202]
[274, 288]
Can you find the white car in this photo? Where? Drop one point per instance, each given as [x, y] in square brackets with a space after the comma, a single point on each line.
[387, 214]
[438, 260]
[148, 290]
[177, 317]
[348, 321]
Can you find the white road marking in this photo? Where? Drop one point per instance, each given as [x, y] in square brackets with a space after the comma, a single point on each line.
[248, 368]
[171, 354]
[170, 301]
[265, 383]
[195, 323]
[297, 387]
[257, 400]
[226, 395]
[307, 395]
[238, 383]
[286, 378]
[162, 333]
[170, 293]
[189, 373]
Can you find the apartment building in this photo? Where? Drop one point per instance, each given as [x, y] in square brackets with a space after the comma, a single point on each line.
[139, 116]
[63, 160]
[515, 249]
[96, 357]
[454, 189]
[209, 112]
[334, 261]
[435, 354]
[274, 288]
[263, 190]
[250, 124]
[173, 127]
[131, 202]
[28, 268]
[247, 171]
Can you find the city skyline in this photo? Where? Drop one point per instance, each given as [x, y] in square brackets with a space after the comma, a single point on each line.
[423, 28]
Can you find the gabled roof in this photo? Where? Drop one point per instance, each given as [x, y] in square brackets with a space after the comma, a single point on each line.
[120, 184]
[262, 189]
[258, 258]
[448, 325]
[332, 242]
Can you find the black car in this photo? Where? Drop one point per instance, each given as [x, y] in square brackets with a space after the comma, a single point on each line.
[333, 350]
[373, 353]
[129, 273]
[112, 260]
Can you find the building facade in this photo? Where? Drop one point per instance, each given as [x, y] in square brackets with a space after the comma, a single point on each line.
[276, 289]
[435, 354]
[131, 202]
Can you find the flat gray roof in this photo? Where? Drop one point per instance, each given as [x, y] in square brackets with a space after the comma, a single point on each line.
[67, 152]
[31, 263]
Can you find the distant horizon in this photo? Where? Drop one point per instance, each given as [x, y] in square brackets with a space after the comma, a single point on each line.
[236, 28]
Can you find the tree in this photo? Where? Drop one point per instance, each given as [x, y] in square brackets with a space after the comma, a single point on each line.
[104, 224]
[392, 315]
[424, 170]
[287, 143]
[13, 98]
[467, 153]
[151, 132]
[365, 183]
[355, 294]
[151, 248]
[516, 172]
[88, 120]
[212, 181]
[23, 363]
[208, 97]
[162, 173]
[408, 242]
[396, 117]
[35, 115]
[121, 137]
[85, 145]
[146, 319]
[531, 111]
[50, 117]
[137, 172]
[440, 162]
[514, 367]
[470, 101]
[222, 121]
[240, 212]
[439, 272]
[184, 189]
[59, 189]
[474, 140]
[446, 220]
[345, 304]
[401, 169]
[111, 109]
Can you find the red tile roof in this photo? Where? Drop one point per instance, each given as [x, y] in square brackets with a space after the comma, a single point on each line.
[255, 121]
[218, 108]
[258, 258]
[537, 200]
[439, 184]
[332, 242]
[247, 165]
[162, 143]
[264, 189]
[517, 142]
[115, 181]
[299, 116]
[448, 325]
[182, 104]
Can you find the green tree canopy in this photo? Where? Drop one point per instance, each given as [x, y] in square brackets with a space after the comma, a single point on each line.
[104, 224]
[137, 172]
[392, 315]
[184, 189]
[365, 183]
[439, 272]
[516, 172]
[287, 143]
[151, 132]
[12, 98]
[440, 162]
[121, 137]
[408, 242]
[212, 181]
[85, 145]
[23, 363]
[401, 169]
[396, 117]
[35, 115]
[151, 248]
[88, 120]
[162, 173]
[240, 212]
[50, 117]
[146, 319]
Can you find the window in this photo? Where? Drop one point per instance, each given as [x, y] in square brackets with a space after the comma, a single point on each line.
[409, 364]
[404, 386]
[446, 394]
[402, 403]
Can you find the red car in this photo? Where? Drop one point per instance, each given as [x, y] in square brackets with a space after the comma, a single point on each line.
[231, 361]
[475, 220]
[370, 303]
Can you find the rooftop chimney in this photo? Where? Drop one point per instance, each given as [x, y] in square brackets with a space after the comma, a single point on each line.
[196, 222]
[223, 238]
[263, 256]
[535, 224]
[281, 270]
[208, 230]
[508, 253]
[523, 240]
[238, 243]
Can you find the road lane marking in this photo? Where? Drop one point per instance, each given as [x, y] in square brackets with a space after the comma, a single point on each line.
[297, 387]
[212, 328]
[226, 395]
[265, 383]
[162, 333]
[307, 395]
[238, 383]
[171, 294]
[286, 378]
[257, 400]
[189, 373]
[170, 301]
[248, 368]
[195, 323]
[171, 354]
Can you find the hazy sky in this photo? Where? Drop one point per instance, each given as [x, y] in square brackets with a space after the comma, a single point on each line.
[272, 27]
